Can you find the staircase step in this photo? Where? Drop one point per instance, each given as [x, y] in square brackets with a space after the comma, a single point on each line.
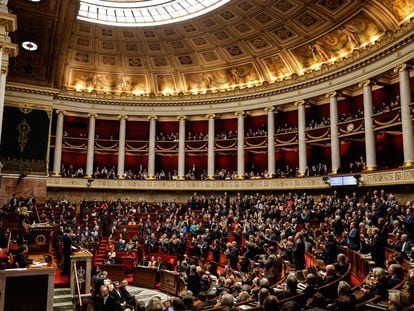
[63, 306]
[62, 291]
[62, 298]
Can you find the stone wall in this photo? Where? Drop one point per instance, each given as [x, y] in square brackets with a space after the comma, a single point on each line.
[22, 187]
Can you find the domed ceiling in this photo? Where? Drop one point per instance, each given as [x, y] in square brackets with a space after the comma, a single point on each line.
[240, 44]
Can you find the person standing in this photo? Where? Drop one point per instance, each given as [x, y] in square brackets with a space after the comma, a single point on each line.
[67, 251]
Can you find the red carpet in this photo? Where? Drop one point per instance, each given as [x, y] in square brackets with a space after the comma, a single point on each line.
[61, 281]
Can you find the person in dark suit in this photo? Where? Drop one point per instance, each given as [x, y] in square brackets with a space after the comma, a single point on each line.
[298, 254]
[395, 275]
[378, 248]
[233, 255]
[353, 237]
[216, 251]
[20, 260]
[105, 302]
[271, 265]
[330, 274]
[67, 251]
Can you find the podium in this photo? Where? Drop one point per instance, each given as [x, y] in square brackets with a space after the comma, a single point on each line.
[28, 288]
[80, 273]
[171, 283]
[144, 277]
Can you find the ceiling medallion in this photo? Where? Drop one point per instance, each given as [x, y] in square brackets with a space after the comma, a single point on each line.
[29, 46]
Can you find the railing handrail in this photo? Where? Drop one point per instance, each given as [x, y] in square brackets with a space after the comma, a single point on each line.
[77, 283]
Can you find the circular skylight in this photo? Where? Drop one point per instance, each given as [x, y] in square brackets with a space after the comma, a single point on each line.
[30, 46]
[144, 13]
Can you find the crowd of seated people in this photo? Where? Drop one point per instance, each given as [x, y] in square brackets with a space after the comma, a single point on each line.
[256, 232]
[167, 137]
[261, 131]
[387, 106]
[286, 129]
[246, 229]
[314, 124]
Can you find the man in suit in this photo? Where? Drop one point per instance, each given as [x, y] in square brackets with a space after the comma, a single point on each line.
[378, 248]
[67, 251]
[299, 252]
[406, 245]
[270, 265]
[105, 302]
[233, 255]
[353, 237]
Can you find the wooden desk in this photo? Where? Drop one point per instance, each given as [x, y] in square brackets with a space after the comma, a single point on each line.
[115, 272]
[28, 288]
[144, 277]
[171, 282]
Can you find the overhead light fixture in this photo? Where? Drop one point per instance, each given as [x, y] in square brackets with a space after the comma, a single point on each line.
[35, 0]
[30, 46]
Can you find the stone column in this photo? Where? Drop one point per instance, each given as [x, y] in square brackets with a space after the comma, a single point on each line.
[181, 148]
[406, 122]
[271, 141]
[240, 144]
[302, 137]
[57, 160]
[121, 145]
[91, 145]
[370, 151]
[210, 155]
[8, 23]
[151, 147]
[335, 149]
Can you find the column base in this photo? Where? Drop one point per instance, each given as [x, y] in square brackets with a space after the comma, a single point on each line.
[55, 174]
[121, 177]
[150, 178]
[301, 174]
[210, 178]
[240, 177]
[333, 172]
[87, 176]
[370, 168]
[408, 164]
[180, 177]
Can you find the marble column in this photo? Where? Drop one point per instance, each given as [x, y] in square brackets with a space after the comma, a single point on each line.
[271, 141]
[8, 23]
[406, 121]
[151, 147]
[302, 137]
[121, 145]
[91, 145]
[335, 148]
[370, 151]
[210, 153]
[57, 159]
[181, 148]
[240, 144]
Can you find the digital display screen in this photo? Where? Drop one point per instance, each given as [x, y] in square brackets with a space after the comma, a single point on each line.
[336, 181]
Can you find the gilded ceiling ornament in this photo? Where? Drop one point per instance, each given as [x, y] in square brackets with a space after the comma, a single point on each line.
[25, 110]
[23, 128]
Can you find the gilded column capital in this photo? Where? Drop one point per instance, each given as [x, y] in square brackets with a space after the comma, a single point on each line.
[181, 118]
[123, 117]
[366, 83]
[11, 49]
[211, 116]
[401, 67]
[300, 103]
[9, 21]
[92, 115]
[269, 109]
[240, 113]
[332, 94]
[152, 118]
[60, 112]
